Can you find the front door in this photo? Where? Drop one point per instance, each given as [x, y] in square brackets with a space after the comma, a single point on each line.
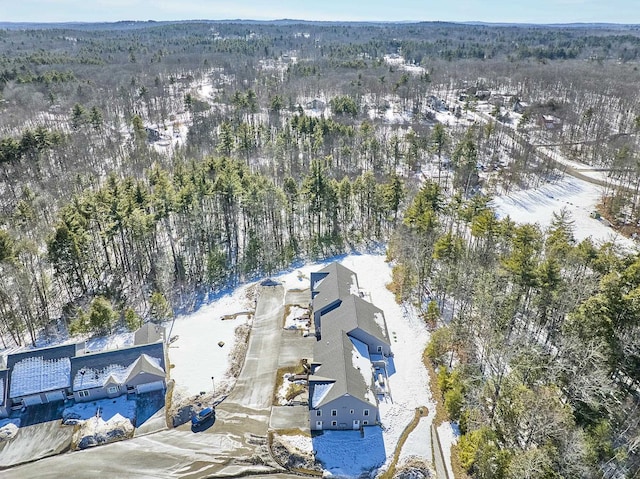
[356, 424]
[319, 425]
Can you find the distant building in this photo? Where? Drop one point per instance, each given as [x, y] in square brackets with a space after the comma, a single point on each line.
[153, 134]
[435, 103]
[315, 104]
[350, 355]
[550, 122]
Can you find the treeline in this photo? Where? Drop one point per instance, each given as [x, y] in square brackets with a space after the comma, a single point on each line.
[195, 230]
[29, 144]
[538, 361]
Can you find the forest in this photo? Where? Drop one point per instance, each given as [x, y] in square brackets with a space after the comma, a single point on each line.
[148, 166]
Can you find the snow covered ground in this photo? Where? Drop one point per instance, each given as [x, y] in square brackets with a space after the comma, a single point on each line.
[9, 428]
[196, 355]
[578, 197]
[300, 442]
[297, 318]
[448, 434]
[105, 408]
[347, 453]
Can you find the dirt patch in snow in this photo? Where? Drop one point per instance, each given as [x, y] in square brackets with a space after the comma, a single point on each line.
[414, 468]
[8, 429]
[290, 455]
[96, 431]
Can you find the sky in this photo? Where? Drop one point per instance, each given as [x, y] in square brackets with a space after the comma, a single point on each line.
[516, 11]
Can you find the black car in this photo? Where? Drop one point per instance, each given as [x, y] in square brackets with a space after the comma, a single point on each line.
[202, 416]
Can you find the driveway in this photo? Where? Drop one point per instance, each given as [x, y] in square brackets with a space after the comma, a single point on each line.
[235, 445]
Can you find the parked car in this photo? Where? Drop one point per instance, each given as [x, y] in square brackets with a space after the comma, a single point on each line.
[202, 416]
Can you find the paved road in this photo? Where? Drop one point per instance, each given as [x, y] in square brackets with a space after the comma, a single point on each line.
[254, 388]
[561, 165]
[229, 447]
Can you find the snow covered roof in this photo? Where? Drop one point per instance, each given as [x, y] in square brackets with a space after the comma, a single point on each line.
[345, 366]
[116, 366]
[318, 391]
[40, 370]
[145, 365]
[89, 378]
[35, 374]
[55, 352]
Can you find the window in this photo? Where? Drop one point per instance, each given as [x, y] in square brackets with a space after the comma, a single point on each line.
[350, 411]
[319, 412]
[365, 423]
[379, 349]
[83, 394]
[112, 389]
[366, 412]
[334, 423]
[334, 412]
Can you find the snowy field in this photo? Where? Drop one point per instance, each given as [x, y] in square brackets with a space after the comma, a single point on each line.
[196, 355]
[578, 197]
[108, 408]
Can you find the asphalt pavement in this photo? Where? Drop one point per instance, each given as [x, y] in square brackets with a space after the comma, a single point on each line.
[234, 445]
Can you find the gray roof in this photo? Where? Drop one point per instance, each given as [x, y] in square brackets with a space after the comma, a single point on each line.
[353, 313]
[121, 357]
[345, 366]
[148, 333]
[336, 354]
[331, 283]
[48, 354]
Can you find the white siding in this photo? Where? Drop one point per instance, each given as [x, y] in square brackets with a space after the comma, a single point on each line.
[154, 386]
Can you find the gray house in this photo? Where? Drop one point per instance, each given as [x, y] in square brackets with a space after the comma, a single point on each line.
[363, 321]
[329, 287]
[341, 394]
[41, 375]
[349, 354]
[137, 369]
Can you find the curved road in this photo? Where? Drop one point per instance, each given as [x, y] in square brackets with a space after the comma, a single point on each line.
[234, 446]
